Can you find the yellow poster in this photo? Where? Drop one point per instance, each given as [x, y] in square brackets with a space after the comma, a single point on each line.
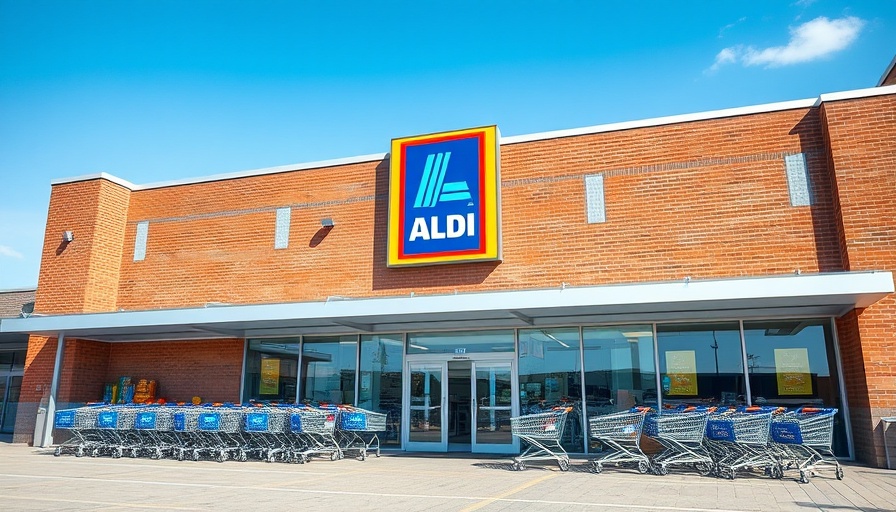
[792, 369]
[270, 377]
[681, 367]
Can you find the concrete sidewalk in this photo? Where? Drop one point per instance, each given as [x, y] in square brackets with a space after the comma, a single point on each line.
[33, 479]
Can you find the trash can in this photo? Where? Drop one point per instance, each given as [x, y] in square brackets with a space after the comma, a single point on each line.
[884, 425]
[39, 425]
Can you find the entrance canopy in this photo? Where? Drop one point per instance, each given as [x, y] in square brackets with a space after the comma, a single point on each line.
[762, 297]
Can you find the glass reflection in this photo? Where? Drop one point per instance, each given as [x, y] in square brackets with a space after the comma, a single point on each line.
[550, 376]
[701, 363]
[271, 370]
[379, 382]
[329, 364]
[619, 368]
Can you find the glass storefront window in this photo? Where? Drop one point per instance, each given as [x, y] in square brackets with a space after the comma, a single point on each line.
[379, 381]
[329, 365]
[791, 363]
[619, 368]
[460, 342]
[701, 363]
[271, 367]
[550, 375]
[12, 360]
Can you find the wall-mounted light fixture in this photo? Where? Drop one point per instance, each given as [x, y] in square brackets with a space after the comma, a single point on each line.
[68, 236]
[326, 223]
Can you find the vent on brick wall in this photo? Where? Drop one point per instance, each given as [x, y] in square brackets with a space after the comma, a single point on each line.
[140, 241]
[798, 180]
[281, 231]
[594, 198]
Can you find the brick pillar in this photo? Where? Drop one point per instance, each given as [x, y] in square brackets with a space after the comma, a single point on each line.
[861, 134]
[80, 276]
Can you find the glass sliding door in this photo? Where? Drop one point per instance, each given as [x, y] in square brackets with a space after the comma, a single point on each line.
[493, 407]
[427, 414]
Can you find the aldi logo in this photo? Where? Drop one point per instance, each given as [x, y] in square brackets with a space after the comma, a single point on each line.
[444, 198]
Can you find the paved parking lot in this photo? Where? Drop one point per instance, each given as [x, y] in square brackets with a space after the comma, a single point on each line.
[33, 479]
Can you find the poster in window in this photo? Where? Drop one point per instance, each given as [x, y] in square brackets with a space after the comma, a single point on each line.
[681, 366]
[270, 377]
[792, 369]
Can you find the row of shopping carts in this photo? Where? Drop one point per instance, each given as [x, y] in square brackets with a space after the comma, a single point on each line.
[270, 432]
[707, 440]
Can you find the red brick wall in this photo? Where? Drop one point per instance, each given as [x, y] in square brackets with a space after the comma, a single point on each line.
[182, 369]
[704, 199]
[862, 135]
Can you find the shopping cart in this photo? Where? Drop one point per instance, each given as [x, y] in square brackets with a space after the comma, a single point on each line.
[680, 432]
[620, 435]
[219, 433]
[81, 424]
[804, 439]
[153, 427]
[542, 433]
[739, 440]
[265, 429]
[312, 432]
[115, 427]
[356, 430]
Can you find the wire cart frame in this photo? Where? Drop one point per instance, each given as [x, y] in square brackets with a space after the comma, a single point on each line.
[542, 432]
[804, 438]
[620, 433]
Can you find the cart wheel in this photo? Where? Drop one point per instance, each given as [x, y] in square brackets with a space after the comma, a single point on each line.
[704, 468]
[195, 455]
[116, 453]
[377, 451]
[363, 454]
[519, 466]
[334, 455]
[58, 451]
[79, 452]
[731, 474]
[777, 472]
[222, 456]
[643, 467]
[269, 458]
[243, 457]
[839, 473]
[564, 465]
[135, 452]
[180, 455]
[804, 477]
[662, 470]
[95, 452]
[341, 454]
[597, 467]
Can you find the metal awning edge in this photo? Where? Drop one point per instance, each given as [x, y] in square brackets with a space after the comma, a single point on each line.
[858, 289]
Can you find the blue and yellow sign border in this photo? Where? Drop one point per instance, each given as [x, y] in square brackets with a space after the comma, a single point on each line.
[489, 222]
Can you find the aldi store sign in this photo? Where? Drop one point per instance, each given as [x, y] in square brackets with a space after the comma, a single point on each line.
[444, 198]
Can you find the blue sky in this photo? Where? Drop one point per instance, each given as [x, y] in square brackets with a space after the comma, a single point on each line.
[154, 90]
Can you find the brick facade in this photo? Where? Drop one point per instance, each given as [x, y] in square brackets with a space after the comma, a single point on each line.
[705, 199]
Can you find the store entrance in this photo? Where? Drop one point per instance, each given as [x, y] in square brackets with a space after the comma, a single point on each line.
[460, 404]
